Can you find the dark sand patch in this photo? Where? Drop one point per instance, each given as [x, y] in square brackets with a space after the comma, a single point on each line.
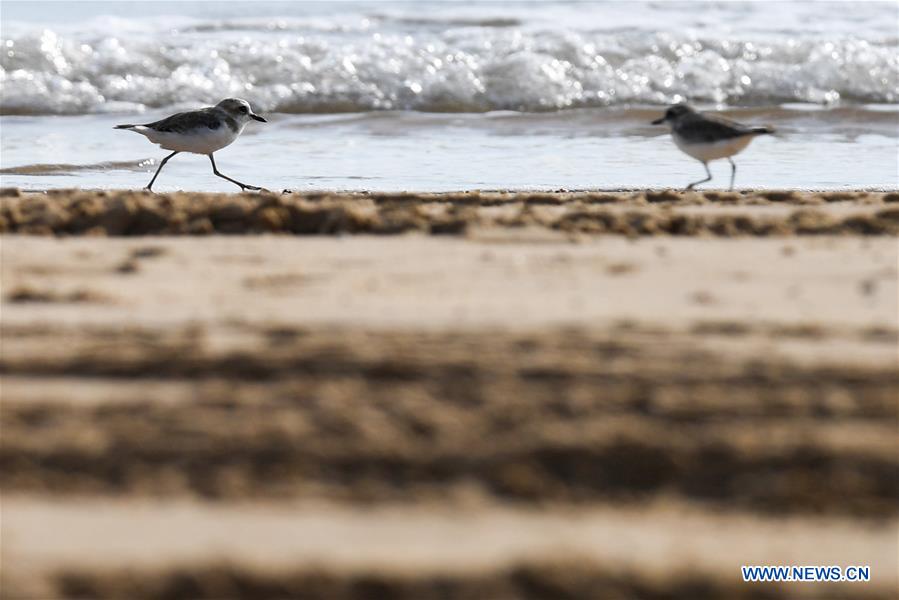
[574, 417]
[67, 212]
[552, 579]
[24, 294]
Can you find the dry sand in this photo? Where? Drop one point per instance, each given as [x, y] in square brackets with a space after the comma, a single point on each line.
[571, 395]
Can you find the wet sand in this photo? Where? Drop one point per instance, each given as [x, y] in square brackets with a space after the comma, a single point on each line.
[772, 213]
[447, 395]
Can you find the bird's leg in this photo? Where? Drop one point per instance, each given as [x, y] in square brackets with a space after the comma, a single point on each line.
[243, 186]
[706, 165]
[733, 173]
[149, 187]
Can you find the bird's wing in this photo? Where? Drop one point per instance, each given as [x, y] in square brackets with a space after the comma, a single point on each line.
[711, 128]
[186, 121]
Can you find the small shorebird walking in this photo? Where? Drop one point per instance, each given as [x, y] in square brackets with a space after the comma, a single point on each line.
[202, 131]
[708, 137]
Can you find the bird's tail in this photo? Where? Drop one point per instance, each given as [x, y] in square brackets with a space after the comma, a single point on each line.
[124, 126]
[762, 130]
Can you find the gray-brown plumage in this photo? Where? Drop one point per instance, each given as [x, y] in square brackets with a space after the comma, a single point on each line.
[211, 118]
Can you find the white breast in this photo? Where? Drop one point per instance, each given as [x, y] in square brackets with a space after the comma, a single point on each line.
[707, 151]
[201, 140]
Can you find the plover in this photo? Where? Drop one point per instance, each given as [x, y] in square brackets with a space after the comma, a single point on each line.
[708, 137]
[202, 131]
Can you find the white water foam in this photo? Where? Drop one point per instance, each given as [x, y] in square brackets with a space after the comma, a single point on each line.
[437, 61]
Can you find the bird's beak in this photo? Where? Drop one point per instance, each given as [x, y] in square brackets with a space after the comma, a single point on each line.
[658, 121]
[258, 118]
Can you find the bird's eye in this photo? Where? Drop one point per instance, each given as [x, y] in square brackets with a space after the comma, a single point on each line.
[244, 109]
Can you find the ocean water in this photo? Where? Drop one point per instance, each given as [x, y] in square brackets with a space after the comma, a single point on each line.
[449, 95]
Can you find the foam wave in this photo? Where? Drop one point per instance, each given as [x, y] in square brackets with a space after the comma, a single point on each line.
[68, 169]
[464, 68]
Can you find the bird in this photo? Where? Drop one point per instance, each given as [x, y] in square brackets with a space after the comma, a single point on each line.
[708, 137]
[202, 131]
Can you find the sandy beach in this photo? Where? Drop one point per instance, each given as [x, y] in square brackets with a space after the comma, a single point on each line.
[479, 394]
